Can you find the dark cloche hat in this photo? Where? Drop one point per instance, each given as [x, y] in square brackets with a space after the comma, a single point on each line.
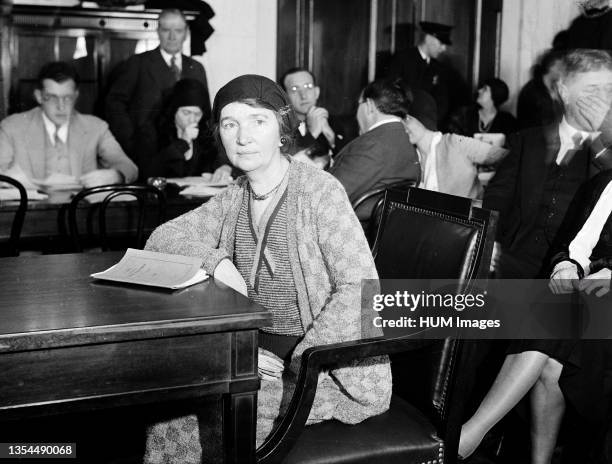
[439, 31]
[189, 92]
[254, 86]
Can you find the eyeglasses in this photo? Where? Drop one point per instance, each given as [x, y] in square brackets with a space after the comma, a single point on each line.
[57, 99]
[296, 88]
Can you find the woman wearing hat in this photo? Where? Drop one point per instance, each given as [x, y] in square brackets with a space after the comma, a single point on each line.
[285, 235]
[185, 143]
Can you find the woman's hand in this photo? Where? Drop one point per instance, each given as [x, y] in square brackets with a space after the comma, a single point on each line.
[598, 283]
[227, 273]
[269, 366]
[564, 278]
[190, 133]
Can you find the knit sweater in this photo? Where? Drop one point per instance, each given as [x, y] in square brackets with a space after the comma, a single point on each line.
[329, 259]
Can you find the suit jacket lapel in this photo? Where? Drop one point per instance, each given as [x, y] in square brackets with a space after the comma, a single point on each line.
[77, 135]
[35, 145]
[158, 69]
[540, 154]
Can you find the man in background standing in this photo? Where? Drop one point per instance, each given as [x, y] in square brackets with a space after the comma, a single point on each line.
[419, 67]
[136, 96]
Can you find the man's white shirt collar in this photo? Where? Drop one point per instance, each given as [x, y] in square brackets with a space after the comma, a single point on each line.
[51, 128]
[178, 60]
[566, 137]
[423, 55]
[384, 121]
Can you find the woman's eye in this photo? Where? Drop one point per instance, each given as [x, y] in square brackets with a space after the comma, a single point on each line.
[228, 125]
[260, 122]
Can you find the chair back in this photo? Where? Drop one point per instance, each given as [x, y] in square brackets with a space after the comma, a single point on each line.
[11, 248]
[430, 235]
[143, 195]
[369, 205]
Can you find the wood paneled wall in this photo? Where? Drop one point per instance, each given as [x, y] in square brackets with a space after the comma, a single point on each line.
[335, 38]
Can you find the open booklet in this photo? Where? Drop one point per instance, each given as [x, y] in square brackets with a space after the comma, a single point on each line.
[155, 269]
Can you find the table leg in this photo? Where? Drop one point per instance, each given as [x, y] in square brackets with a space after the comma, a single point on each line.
[240, 420]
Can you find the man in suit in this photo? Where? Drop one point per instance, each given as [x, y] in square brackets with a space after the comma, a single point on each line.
[419, 66]
[318, 136]
[382, 154]
[534, 184]
[55, 140]
[136, 96]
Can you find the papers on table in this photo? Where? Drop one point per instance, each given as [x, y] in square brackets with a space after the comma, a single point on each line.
[195, 180]
[58, 181]
[99, 197]
[201, 191]
[155, 269]
[10, 194]
[199, 186]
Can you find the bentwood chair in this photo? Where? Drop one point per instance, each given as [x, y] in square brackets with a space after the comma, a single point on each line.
[11, 247]
[109, 201]
[369, 205]
[422, 235]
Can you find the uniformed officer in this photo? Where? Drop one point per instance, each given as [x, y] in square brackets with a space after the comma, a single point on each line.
[419, 66]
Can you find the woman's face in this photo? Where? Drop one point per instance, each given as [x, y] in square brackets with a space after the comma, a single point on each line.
[187, 115]
[484, 96]
[250, 136]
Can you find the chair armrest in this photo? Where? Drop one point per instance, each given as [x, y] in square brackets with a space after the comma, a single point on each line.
[315, 359]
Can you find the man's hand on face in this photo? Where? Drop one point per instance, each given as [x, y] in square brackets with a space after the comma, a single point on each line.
[316, 120]
[101, 177]
[594, 110]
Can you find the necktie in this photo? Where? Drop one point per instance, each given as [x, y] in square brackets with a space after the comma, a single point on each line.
[176, 72]
[63, 161]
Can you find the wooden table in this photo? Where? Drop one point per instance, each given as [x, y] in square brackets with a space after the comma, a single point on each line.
[69, 343]
[45, 226]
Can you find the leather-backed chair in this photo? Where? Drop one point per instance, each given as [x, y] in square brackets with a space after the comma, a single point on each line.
[424, 235]
[143, 196]
[369, 205]
[11, 247]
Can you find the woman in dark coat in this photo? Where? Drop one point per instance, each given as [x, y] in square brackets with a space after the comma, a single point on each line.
[185, 145]
[485, 116]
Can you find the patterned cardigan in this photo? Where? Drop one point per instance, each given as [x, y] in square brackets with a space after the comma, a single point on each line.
[329, 258]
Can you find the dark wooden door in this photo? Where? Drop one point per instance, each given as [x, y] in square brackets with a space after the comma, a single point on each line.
[331, 38]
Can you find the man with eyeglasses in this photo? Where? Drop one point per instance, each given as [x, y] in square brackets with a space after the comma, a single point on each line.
[317, 139]
[54, 141]
[136, 96]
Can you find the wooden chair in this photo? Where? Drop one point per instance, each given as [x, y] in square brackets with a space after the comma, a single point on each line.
[423, 235]
[11, 247]
[144, 196]
[372, 201]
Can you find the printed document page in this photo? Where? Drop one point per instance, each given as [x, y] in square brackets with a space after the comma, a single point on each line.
[155, 269]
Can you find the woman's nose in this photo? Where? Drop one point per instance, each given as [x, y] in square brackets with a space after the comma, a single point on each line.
[243, 135]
